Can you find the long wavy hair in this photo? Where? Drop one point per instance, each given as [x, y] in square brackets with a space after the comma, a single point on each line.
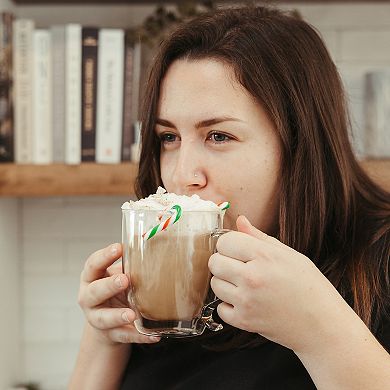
[329, 209]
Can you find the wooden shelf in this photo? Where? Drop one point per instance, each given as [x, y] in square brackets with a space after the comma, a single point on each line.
[108, 2]
[65, 180]
[103, 179]
[142, 2]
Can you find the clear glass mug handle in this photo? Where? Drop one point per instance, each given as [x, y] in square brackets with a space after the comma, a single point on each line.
[207, 312]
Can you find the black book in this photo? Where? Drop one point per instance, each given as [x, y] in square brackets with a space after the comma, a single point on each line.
[128, 120]
[90, 40]
[6, 85]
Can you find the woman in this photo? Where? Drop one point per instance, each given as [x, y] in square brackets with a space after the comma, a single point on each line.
[246, 105]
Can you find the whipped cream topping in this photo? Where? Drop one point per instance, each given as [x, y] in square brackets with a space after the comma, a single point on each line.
[163, 200]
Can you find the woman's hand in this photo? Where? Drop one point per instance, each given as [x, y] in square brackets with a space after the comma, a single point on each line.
[102, 297]
[271, 289]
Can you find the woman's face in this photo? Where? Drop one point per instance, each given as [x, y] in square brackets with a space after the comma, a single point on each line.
[217, 142]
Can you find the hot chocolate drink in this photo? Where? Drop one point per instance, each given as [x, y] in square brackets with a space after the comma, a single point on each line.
[170, 278]
[167, 242]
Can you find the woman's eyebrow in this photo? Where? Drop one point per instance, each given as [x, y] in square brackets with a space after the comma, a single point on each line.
[203, 123]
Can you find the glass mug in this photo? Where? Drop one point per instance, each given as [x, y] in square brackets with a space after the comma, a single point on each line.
[169, 277]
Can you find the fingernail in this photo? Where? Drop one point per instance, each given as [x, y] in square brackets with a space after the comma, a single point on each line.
[154, 338]
[125, 317]
[118, 281]
[114, 249]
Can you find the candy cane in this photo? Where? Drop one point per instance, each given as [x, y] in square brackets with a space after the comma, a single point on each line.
[176, 214]
[224, 205]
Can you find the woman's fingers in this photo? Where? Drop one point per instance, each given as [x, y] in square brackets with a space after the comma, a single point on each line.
[226, 312]
[115, 268]
[108, 318]
[237, 245]
[128, 334]
[226, 268]
[225, 291]
[102, 287]
[99, 291]
[97, 264]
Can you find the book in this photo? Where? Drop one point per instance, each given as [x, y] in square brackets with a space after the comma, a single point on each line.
[73, 93]
[136, 146]
[42, 98]
[128, 131]
[377, 114]
[66, 60]
[58, 92]
[6, 101]
[110, 95]
[89, 60]
[137, 56]
[22, 70]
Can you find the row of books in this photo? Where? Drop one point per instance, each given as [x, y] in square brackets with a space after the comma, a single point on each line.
[68, 94]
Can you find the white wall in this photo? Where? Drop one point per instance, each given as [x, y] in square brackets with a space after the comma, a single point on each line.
[112, 15]
[11, 282]
[56, 235]
[358, 37]
[6, 5]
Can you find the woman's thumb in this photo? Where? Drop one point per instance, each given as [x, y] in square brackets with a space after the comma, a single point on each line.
[244, 226]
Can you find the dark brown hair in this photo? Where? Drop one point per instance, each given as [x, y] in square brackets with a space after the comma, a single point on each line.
[329, 209]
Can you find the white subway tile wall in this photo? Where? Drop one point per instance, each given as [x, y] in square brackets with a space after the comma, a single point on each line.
[358, 38]
[58, 234]
[11, 281]
[57, 237]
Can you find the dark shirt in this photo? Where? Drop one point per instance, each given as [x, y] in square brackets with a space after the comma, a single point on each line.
[180, 365]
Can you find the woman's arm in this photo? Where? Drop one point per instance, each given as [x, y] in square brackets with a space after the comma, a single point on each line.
[346, 356]
[99, 365]
[271, 289]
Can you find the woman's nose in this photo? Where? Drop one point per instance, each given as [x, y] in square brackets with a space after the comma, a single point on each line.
[189, 173]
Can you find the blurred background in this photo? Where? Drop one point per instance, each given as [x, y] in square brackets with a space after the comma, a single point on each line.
[57, 209]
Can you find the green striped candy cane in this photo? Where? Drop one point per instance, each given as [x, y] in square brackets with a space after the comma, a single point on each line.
[175, 215]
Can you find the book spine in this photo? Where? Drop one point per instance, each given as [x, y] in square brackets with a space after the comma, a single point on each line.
[42, 98]
[58, 93]
[73, 94]
[136, 146]
[22, 64]
[89, 92]
[6, 102]
[136, 81]
[110, 95]
[128, 133]
[377, 102]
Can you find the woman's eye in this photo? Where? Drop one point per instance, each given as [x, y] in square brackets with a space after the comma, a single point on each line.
[218, 137]
[168, 138]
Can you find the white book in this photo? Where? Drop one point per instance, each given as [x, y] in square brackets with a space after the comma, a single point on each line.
[377, 114]
[110, 96]
[66, 60]
[58, 92]
[42, 98]
[73, 93]
[23, 72]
